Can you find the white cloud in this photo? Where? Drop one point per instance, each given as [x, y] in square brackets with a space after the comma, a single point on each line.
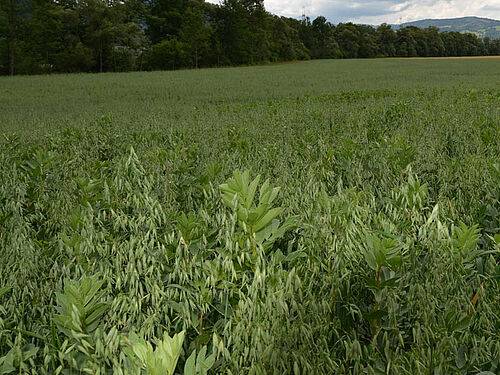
[379, 11]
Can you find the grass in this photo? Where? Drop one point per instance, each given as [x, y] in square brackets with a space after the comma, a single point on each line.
[447, 58]
[131, 210]
[156, 99]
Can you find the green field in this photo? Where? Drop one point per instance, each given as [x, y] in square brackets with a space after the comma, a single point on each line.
[126, 216]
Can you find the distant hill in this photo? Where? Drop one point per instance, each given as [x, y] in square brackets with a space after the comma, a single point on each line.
[482, 27]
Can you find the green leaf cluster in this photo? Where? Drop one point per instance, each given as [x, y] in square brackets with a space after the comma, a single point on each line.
[257, 218]
[80, 307]
[161, 360]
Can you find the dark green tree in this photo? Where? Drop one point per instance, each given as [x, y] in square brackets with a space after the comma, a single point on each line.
[406, 42]
[286, 44]
[234, 33]
[348, 39]
[434, 42]
[195, 33]
[367, 41]
[386, 39]
[169, 54]
[13, 16]
[324, 45]
[43, 36]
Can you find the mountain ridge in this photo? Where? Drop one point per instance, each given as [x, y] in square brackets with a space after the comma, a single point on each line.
[481, 26]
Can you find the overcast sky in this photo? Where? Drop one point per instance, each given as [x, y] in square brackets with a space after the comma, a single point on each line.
[379, 11]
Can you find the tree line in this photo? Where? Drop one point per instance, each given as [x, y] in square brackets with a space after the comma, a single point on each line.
[44, 36]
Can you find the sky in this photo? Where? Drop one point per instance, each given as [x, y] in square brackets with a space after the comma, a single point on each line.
[379, 11]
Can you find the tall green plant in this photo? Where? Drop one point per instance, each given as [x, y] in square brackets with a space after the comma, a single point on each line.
[199, 364]
[383, 256]
[161, 360]
[80, 311]
[258, 220]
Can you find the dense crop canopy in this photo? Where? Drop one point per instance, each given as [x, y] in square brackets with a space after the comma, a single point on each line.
[252, 227]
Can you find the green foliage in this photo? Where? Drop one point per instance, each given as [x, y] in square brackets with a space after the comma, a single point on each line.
[159, 361]
[257, 220]
[465, 239]
[126, 220]
[199, 364]
[384, 257]
[40, 37]
[17, 360]
[81, 311]
[80, 307]
[382, 253]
